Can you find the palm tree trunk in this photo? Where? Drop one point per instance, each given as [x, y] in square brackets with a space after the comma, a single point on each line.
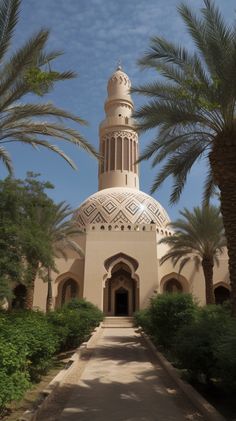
[49, 293]
[29, 298]
[207, 266]
[223, 163]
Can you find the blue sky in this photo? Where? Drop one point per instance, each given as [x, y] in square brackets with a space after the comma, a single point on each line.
[94, 35]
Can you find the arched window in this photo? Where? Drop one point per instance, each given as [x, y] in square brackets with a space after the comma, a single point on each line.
[172, 285]
[19, 296]
[221, 294]
[70, 290]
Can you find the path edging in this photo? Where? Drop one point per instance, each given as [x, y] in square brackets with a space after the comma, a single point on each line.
[46, 395]
[206, 409]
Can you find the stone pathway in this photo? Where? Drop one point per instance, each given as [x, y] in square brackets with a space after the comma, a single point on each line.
[121, 381]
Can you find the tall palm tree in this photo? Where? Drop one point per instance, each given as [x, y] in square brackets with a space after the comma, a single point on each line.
[28, 70]
[63, 232]
[193, 106]
[199, 235]
[60, 237]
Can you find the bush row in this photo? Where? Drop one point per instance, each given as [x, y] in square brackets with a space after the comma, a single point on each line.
[30, 339]
[201, 340]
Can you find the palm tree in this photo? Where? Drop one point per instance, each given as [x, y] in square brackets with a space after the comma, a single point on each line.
[193, 107]
[199, 235]
[28, 70]
[59, 237]
[63, 232]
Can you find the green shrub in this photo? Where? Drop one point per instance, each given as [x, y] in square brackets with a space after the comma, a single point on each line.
[142, 318]
[225, 355]
[168, 313]
[197, 343]
[14, 377]
[74, 322]
[31, 330]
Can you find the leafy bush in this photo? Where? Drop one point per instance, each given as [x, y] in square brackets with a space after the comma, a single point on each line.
[14, 378]
[225, 355]
[41, 341]
[142, 318]
[31, 331]
[198, 343]
[29, 340]
[74, 322]
[168, 313]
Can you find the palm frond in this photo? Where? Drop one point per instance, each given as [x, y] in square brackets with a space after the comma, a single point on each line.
[24, 58]
[16, 113]
[9, 12]
[6, 159]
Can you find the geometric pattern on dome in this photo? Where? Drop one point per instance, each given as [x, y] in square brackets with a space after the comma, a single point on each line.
[121, 205]
[120, 218]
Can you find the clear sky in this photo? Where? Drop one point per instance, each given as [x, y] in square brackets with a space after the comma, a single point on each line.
[94, 35]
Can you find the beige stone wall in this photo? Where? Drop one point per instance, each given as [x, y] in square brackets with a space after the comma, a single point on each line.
[139, 243]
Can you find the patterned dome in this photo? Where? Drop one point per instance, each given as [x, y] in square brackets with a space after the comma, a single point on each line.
[119, 205]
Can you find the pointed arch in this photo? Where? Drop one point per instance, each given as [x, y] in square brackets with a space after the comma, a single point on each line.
[177, 280]
[69, 286]
[121, 285]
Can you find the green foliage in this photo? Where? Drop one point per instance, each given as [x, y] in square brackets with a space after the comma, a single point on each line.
[28, 71]
[39, 338]
[193, 106]
[195, 345]
[143, 318]
[198, 234]
[74, 322]
[202, 340]
[24, 242]
[14, 377]
[225, 354]
[168, 313]
[40, 82]
[29, 340]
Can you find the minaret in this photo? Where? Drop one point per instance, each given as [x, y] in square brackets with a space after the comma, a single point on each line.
[118, 137]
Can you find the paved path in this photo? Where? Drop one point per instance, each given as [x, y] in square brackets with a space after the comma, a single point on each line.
[122, 381]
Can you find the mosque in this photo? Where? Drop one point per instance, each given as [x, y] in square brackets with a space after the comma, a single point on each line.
[122, 227]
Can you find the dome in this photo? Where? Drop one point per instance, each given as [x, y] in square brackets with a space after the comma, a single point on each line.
[121, 206]
[119, 85]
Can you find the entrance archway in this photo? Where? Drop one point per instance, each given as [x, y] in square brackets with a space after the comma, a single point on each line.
[19, 292]
[70, 290]
[222, 294]
[121, 302]
[121, 292]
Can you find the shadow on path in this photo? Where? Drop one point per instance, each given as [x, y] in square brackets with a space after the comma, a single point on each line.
[122, 382]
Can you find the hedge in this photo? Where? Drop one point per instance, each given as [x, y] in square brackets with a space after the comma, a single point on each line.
[29, 341]
[201, 340]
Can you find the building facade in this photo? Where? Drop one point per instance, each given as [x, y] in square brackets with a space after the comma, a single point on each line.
[122, 227]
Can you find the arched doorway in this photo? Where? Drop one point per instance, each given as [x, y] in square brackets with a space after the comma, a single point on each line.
[121, 294]
[172, 286]
[121, 302]
[222, 294]
[70, 290]
[19, 296]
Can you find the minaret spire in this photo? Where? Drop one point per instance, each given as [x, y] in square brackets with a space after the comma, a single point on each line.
[118, 136]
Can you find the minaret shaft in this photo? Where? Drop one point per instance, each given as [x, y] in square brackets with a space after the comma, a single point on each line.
[118, 137]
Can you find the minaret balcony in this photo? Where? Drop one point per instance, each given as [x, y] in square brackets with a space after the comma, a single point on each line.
[118, 121]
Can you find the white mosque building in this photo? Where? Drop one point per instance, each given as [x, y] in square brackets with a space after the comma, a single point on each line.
[122, 228]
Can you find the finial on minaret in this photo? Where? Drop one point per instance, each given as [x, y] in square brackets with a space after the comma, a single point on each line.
[119, 65]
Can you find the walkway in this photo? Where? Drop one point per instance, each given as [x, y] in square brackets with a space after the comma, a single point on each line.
[121, 381]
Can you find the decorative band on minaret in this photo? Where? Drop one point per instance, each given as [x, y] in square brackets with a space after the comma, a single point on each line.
[118, 137]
